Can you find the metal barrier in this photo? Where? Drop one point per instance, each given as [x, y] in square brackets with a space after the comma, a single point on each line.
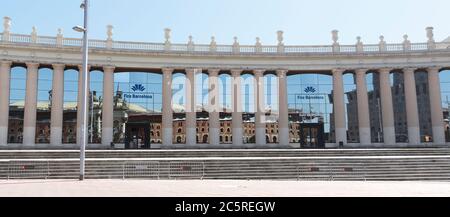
[314, 171]
[331, 171]
[141, 169]
[186, 170]
[28, 169]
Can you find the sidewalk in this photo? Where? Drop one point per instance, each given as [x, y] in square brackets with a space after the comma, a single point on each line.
[144, 188]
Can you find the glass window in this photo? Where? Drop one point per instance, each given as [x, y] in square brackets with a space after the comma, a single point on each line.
[43, 117]
[70, 106]
[16, 104]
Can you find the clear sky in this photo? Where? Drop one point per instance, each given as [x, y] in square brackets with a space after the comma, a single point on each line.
[304, 22]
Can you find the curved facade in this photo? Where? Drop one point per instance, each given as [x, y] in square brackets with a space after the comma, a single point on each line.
[167, 95]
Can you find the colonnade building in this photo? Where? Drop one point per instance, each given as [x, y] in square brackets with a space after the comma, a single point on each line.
[187, 95]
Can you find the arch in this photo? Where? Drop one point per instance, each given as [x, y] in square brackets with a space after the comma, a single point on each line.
[70, 105]
[44, 97]
[205, 138]
[95, 106]
[137, 98]
[444, 77]
[373, 94]
[351, 107]
[274, 139]
[423, 105]
[16, 103]
[301, 85]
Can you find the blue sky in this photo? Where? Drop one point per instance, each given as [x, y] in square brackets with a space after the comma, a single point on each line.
[304, 22]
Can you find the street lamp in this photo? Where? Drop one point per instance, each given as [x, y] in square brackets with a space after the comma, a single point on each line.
[84, 89]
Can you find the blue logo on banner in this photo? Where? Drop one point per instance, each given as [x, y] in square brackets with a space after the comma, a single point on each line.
[138, 87]
[310, 90]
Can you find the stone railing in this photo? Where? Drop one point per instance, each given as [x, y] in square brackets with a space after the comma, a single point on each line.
[235, 49]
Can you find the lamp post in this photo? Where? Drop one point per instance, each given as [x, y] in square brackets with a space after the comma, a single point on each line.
[84, 89]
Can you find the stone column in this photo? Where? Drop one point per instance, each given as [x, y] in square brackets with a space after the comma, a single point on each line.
[339, 107]
[412, 111]
[387, 108]
[167, 114]
[108, 105]
[214, 107]
[363, 107]
[436, 106]
[57, 110]
[260, 109]
[283, 120]
[29, 125]
[5, 74]
[191, 112]
[238, 136]
[80, 101]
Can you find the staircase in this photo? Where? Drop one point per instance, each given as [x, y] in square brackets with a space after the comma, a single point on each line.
[302, 165]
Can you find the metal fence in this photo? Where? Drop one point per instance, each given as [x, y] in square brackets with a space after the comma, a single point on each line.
[28, 170]
[331, 171]
[421, 168]
[186, 170]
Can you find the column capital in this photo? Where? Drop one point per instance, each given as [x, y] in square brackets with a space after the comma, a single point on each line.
[58, 66]
[282, 72]
[236, 72]
[32, 65]
[80, 67]
[434, 69]
[409, 70]
[192, 70]
[213, 72]
[338, 71]
[108, 69]
[259, 72]
[6, 62]
[385, 70]
[167, 70]
[361, 71]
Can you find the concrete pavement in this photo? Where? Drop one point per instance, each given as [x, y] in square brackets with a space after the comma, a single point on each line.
[219, 188]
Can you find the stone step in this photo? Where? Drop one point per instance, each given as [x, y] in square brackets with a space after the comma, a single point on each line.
[214, 153]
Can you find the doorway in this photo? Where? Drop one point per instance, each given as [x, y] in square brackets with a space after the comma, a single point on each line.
[137, 135]
[312, 136]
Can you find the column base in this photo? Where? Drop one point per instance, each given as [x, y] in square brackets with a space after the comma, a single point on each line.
[364, 136]
[414, 135]
[29, 136]
[341, 135]
[56, 136]
[238, 137]
[439, 135]
[107, 136]
[283, 136]
[389, 136]
[3, 136]
[214, 136]
[260, 136]
[167, 135]
[191, 136]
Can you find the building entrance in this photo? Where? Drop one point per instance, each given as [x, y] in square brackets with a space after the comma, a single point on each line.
[312, 135]
[137, 135]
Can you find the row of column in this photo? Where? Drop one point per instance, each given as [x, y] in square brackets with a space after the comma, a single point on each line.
[214, 115]
[167, 116]
[387, 108]
[57, 108]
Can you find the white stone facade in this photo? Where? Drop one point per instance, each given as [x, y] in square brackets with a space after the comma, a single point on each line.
[334, 59]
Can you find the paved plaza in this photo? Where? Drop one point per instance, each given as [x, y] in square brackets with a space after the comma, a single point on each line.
[144, 188]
